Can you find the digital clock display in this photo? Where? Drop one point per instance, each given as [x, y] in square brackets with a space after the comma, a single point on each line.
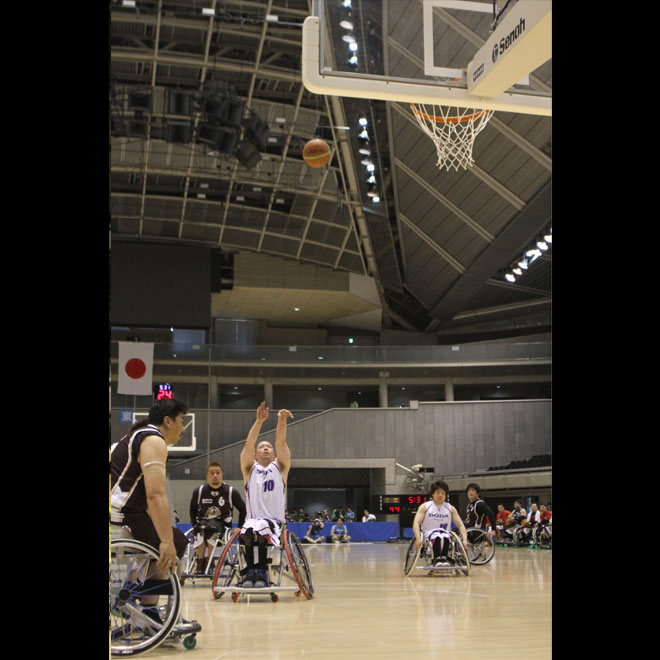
[163, 392]
[395, 504]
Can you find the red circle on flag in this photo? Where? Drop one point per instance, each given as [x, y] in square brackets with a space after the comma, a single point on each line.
[135, 368]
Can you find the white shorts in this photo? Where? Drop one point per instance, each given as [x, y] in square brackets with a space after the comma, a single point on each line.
[268, 528]
[434, 534]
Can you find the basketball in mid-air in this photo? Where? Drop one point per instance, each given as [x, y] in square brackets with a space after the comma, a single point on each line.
[316, 153]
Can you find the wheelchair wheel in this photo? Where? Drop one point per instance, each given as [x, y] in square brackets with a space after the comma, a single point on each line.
[136, 627]
[459, 554]
[520, 538]
[227, 570]
[412, 555]
[298, 563]
[480, 548]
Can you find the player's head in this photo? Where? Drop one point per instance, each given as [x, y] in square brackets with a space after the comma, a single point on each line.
[264, 453]
[439, 490]
[473, 491]
[500, 507]
[167, 415]
[516, 504]
[214, 474]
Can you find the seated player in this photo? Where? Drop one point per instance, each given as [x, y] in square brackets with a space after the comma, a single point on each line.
[532, 519]
[514, 520]
[264, 474]
[433, 521]
[211, 512]
[545, 535]
[478, 514]
[339, 532]
[500, 520]
[313, 534]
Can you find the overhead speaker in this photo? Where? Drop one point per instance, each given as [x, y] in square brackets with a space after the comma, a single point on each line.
[217, 138]
[219, 87]
[257, 130]
[248, 155]
[235, 112]
[179, 103]
[180, 132]
[139, 101]
[229, 142]
[137, 128]
[217, 109]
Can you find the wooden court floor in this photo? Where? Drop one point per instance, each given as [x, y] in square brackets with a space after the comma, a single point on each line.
[364, 608]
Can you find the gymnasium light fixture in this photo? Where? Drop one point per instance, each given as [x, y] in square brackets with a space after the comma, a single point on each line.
[541, 244]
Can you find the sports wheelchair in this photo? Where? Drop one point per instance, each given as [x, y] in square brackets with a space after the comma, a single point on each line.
[136, 627]
[189, 559]
[459, 562]
[287, 561]
[542, 536]
[480, 548]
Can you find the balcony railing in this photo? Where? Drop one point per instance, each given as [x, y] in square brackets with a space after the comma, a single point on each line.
[347, 355]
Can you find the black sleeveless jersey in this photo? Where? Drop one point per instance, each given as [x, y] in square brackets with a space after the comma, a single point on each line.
[476, 514]
[473, 517]
[128, 495]
[212, 503]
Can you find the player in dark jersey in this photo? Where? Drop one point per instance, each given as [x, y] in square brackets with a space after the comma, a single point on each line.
[478, 513]
[140, 508]
[211, 511]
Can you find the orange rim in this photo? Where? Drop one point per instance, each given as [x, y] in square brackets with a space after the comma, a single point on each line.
[442, 120]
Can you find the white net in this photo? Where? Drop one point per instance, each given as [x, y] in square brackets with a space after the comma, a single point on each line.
[453, 131]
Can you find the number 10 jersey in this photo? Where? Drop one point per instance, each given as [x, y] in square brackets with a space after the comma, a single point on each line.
[265, 493]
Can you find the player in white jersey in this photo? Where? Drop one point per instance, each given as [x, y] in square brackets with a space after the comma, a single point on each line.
[264, 474]
[433, 521]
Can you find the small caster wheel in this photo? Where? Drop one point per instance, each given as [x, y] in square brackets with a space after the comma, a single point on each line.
[190, 642]
[274, 597]
[234, 597]
[297, 594]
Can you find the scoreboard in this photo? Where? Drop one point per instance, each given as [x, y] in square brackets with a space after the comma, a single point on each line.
[395, 504]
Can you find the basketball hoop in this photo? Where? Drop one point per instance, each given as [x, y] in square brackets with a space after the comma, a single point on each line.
[453, 131]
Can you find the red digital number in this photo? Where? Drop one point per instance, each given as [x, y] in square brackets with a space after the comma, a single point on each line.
[394, 509]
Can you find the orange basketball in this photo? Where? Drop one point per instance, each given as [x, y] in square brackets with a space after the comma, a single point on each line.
[316, 153]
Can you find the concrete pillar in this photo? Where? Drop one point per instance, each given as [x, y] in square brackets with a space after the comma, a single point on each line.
[449, 390]
[382, 393]
[268, 393]
[214, 393]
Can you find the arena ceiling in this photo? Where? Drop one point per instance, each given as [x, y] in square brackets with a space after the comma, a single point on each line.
[438, 243]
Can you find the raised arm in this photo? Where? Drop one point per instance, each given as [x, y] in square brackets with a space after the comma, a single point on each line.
[247, 454]
[281, 448]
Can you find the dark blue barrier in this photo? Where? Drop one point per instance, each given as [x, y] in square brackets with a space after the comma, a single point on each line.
[373, 532]
[359, 532]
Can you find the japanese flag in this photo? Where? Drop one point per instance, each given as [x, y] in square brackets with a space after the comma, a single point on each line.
[136, 361]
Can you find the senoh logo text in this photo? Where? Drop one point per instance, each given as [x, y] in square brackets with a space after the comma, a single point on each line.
[506, 42]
